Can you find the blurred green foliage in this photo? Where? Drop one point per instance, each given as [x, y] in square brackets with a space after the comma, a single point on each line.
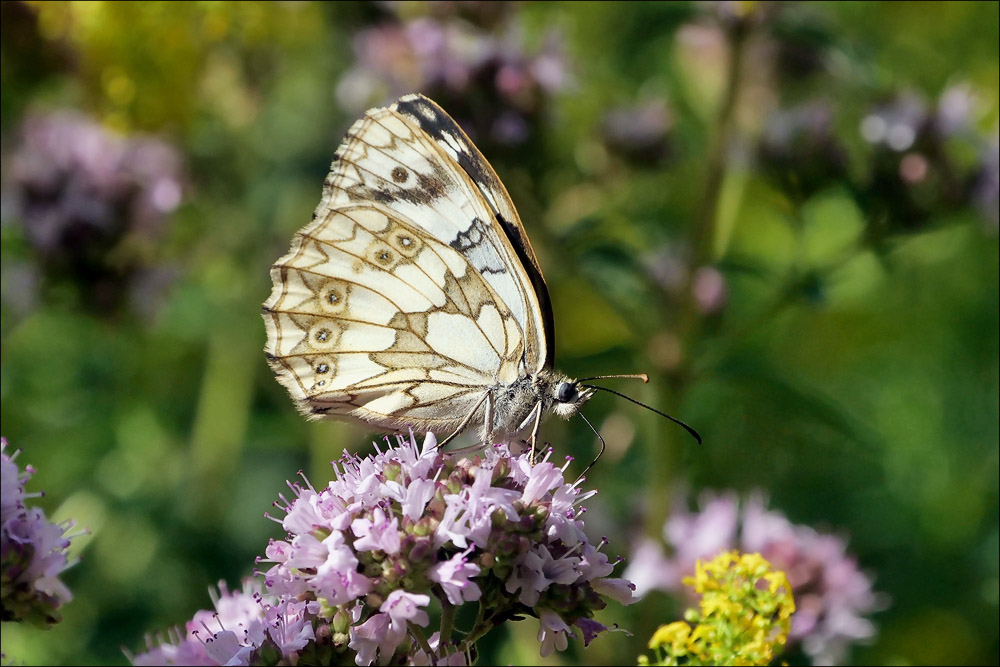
[785, 213]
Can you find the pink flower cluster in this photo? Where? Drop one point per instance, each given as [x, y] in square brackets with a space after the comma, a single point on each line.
[32, 551]
[396, 543]
[832, 596]
[246, 626]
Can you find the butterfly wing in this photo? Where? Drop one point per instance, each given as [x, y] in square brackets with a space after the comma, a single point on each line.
[404, 300]
[505, 231]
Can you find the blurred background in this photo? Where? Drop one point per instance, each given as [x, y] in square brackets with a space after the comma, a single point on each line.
[786, 214]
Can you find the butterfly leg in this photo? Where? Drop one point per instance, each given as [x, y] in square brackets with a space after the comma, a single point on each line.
[534, 430]
[468, 418]
[489, 437]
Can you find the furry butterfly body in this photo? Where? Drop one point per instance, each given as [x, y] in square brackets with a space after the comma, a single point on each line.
[414, 299]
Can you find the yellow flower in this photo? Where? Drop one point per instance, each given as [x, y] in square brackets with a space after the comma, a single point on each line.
[672, 633]
[739, 620]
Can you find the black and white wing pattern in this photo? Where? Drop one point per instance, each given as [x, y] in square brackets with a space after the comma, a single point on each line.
[413, 296]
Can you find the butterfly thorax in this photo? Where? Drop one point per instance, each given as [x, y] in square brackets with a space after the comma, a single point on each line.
[517, 407]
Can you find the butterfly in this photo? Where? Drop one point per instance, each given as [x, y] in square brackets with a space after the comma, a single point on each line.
[413, 299]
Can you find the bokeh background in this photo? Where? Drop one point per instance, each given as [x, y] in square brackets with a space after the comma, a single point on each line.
[786, 214]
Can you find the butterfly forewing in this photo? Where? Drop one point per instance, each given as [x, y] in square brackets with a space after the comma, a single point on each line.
[391, 161]
[456, 144]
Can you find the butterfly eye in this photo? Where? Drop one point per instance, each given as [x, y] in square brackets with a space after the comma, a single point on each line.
[566, 392]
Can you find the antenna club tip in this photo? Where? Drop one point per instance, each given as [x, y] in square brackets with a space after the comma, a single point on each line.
[644, 377]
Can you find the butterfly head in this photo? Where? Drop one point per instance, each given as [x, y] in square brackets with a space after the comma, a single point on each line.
[568, 396]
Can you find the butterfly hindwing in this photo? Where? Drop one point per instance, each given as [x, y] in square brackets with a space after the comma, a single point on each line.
[373, 319]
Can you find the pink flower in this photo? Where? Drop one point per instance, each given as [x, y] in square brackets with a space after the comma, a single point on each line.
[542, 479]
[377, 534]
[453, 575]
[553, 632]
[421, 658]
[395, 535]
[226, 635]
[224, 648]
[185, 653]
[289, 624]
[32, 551]
[403, 607]
[374, 637]
[620, 590]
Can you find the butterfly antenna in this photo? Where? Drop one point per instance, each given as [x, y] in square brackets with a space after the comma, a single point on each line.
[635, 376]
[690, 430]
[603, 446]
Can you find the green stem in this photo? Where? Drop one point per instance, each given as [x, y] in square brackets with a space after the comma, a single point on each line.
[418, 634]
[664, 458]
[479, 628]
[447, 621]
[718, 160]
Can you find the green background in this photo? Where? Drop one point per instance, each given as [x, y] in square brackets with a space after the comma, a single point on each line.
[848, 366]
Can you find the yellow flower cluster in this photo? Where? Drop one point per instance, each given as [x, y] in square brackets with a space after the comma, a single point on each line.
[744, 617]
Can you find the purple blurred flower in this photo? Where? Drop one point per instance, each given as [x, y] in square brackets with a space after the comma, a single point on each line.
[955, 110]
[670, 268]
[399, 536]
[448, 58]
[639, 133]
[92, 203]
[896, 125]
[450, 54]
[710, 291]
[32, 551]
[800, 146]
[916, 173]
[986, 185]
[832, 596]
